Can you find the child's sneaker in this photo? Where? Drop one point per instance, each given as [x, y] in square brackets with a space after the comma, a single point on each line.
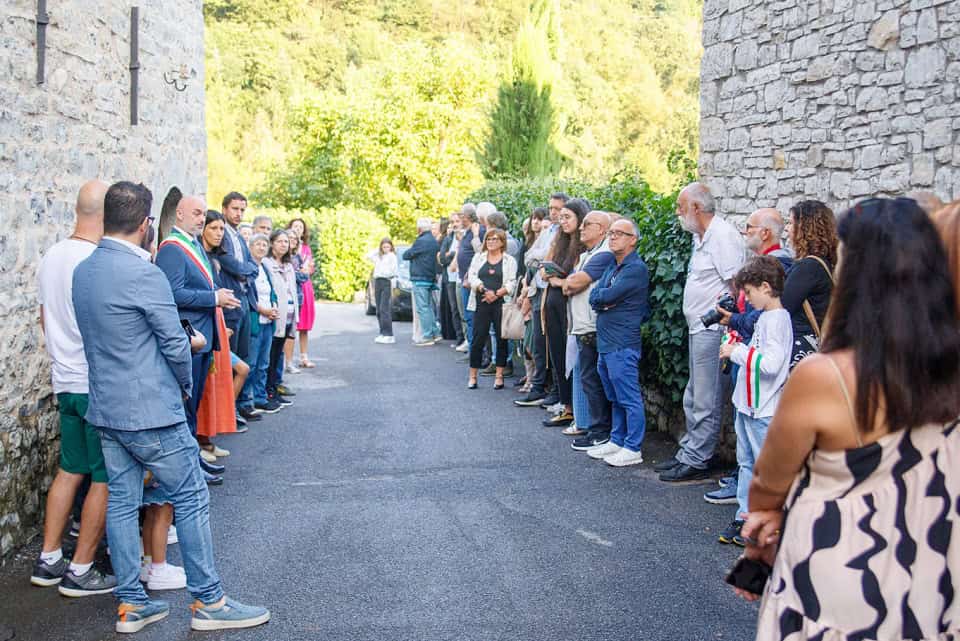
[230, 615]
[133, 618]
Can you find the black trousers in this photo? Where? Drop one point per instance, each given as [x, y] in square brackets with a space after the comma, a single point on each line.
[592, 385]
[276, 353]
[555, 314]
[538, 348]
[487, 314]
[451, 289]
[240, 339]
[383, 293]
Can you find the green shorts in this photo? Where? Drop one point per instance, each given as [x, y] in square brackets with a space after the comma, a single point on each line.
[80, 451]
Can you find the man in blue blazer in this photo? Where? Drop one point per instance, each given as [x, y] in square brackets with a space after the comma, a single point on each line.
[139, 374]
[191, 278]
[238, 272]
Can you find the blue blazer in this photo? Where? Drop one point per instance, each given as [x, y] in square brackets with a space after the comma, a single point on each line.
[196, 298]
[137, 352]
[237, 273]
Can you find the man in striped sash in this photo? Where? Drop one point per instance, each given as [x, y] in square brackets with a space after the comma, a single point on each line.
[182, 259]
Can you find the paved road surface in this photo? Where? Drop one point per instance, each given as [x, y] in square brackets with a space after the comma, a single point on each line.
[391, 503]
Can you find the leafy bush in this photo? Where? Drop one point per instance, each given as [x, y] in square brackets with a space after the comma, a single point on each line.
[340, 239]
[663, 245]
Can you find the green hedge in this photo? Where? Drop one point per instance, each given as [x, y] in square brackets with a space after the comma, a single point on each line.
[340, 239]
[663, 245]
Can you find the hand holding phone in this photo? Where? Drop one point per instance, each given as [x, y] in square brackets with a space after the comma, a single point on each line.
[749, 575]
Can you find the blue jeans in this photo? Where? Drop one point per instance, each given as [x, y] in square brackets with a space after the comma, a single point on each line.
[620, 374]
[751, 432]
[256, 385]
[581, 408]
[172, 454]
[423, 299]
[467, 313]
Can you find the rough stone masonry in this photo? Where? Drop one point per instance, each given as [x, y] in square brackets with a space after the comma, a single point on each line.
[829, 99]
[54, 136]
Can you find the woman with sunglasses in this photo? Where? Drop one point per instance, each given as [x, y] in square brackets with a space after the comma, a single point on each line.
[812, 232]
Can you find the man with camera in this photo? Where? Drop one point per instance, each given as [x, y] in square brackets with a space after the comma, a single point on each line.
[718, 254]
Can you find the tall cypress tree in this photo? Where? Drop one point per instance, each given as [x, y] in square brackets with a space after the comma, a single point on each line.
[523, 120]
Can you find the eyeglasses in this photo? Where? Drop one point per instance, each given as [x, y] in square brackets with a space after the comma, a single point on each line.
[586, 224]
[150, 220]
[616, 233]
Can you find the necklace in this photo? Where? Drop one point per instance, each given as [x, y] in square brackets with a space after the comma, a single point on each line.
[76, 237]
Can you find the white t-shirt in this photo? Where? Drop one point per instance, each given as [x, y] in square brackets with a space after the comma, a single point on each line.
[764, 365]
[55, 291]
[716, 258]
[263, 293]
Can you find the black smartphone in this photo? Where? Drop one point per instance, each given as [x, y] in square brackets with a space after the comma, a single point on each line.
[749, 574]
[553, 269]
[188, 328]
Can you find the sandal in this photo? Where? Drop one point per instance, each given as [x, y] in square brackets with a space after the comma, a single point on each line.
[472, 384]
[498, 383]
[306, 362]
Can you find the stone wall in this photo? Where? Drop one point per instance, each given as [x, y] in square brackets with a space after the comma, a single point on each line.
[829, 99]
[53, 137]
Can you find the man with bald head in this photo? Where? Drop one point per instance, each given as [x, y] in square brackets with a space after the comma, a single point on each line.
[185, 264]
[718, 253]
[583, 325]
[80, 452]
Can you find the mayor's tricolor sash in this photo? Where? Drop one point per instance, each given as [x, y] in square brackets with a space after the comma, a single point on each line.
[189, 247]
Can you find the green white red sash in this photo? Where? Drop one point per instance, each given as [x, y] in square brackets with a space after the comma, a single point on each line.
[189, 247]
[753, 378]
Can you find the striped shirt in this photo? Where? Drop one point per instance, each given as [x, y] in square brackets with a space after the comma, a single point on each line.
[764, 364]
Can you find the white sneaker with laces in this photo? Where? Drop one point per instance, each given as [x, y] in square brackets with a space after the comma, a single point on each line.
[292, 369]
[623, 458]
[380, 339]
[389, 340]
[603, 451]
[169, 577]
[463, 347]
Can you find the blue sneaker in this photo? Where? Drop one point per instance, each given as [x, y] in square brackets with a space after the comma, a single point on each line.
[133, 618]
[230, 615]
[726, 495]
[728, 480]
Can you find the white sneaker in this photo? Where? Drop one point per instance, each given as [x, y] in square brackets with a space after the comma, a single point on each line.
[389, 340]
[603, 451]
[209, 457]
[555, 408]
[292, 369]
[172, 535]
[623, 458]
[463, 347]
[170, 577]
[381, 339]
[219, 452]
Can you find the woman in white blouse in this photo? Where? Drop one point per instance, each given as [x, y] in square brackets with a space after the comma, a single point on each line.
[384, 262]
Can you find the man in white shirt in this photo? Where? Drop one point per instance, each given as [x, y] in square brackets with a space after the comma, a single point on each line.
[80, 452]
[718, 254]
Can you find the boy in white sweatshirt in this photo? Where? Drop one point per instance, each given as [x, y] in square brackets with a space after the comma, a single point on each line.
[764, 366]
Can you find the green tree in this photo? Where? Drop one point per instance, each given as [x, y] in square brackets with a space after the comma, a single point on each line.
[523, 123]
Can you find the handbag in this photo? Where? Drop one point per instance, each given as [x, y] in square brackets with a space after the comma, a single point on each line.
[511, 322]
[808, 308]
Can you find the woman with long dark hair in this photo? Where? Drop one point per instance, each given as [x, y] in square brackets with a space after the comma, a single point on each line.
[493, 277]
[854, 492]
[564, 253]
[385, 267]
[812, 232]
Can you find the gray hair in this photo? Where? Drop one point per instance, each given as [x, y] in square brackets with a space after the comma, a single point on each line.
[258, 237]
[424, 224]
[244, 225]
[497, 220]
[470, 209]
[259, 219]
[484, 210]
[701, 196]
[772, 222]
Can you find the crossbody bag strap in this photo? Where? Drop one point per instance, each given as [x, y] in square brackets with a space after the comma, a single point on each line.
[808, 308]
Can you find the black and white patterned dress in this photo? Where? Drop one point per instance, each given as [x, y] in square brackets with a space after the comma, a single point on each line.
[867, 551]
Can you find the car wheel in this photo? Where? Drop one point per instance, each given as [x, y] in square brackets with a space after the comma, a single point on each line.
[371, 310]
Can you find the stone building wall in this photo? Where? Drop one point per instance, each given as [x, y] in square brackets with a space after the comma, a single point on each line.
[53, 137]
[829, 99]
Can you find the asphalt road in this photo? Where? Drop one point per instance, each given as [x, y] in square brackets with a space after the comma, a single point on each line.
[392, 503]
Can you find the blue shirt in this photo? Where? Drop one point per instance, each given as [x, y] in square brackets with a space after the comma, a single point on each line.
[621, 300]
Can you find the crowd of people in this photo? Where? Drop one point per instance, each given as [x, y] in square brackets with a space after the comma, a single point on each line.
[156, 349]
[839, 353]
[838, 350]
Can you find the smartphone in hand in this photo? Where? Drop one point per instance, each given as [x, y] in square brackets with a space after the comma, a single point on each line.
[749, 575]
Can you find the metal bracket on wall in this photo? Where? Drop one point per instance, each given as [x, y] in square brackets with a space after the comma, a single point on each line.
[134, 64]
[43, 19]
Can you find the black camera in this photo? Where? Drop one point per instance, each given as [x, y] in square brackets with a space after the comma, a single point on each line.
[713, 317]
